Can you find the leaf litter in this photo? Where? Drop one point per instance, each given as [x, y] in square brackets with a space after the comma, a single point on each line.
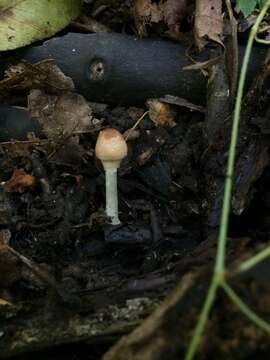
[52, 191]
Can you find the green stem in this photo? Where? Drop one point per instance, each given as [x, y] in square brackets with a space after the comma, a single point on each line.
[250, 314]
[254, 260]
[221, 251]
[262, 41]
[219, 269]
[209, 300]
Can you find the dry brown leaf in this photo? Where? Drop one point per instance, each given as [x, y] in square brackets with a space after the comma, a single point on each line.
[170, 12]
[208, 22]
[146, 12]
[43, 75]
[5, 302]
[60, 116]
[20, 181]
[160, 113]
[173, 12]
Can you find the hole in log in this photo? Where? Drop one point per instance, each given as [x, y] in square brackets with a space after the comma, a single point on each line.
[97, 70]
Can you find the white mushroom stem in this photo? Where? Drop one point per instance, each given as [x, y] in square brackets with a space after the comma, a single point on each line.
[110, 168]
[111, 148]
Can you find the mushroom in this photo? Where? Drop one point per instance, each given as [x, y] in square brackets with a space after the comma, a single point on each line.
[111, 148]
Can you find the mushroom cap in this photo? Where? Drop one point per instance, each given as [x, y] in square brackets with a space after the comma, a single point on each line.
[110, 145]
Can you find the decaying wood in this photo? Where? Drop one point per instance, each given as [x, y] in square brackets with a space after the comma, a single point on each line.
[216, 133]
[91, 317]
[159, 334]
[41, 323]
[252, 149]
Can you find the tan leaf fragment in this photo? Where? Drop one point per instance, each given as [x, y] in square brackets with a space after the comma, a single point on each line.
[174, 11]
[208, 22]
[4, 302]
[20, 181]
[60, 116]
[160, 113]
[146, 12]
[43, 75]
[170, 12]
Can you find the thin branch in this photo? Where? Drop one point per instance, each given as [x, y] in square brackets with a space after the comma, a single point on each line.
[130, 131]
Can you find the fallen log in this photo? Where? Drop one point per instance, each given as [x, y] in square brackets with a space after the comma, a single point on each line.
[122, 69]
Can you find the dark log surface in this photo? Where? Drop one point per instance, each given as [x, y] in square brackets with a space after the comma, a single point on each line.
[123, 69]
[15, 123]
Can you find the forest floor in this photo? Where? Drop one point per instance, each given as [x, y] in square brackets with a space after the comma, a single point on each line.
[73, 286]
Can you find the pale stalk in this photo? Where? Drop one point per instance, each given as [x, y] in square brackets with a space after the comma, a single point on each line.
[110, 168]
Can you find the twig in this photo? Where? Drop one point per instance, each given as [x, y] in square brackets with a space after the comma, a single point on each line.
[130, 131]
[234, 60]
[41, 274]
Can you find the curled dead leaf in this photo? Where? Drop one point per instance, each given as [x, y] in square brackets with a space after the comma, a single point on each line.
[146, 12]
[170, 12]
[20, 181]
[160, 113]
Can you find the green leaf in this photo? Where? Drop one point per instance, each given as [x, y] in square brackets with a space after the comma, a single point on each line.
[25, 21]
[262, 3]
[246, 6]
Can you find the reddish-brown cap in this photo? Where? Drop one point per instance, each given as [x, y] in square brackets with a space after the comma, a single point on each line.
[110, 146]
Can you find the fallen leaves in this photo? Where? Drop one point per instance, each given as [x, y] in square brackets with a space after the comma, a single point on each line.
[51, 100]
[20, 181]
[208, 22]
[174, 11]
[43, 75]
[170, 12]
[60, 116]
[146, 12]
[160, 113]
